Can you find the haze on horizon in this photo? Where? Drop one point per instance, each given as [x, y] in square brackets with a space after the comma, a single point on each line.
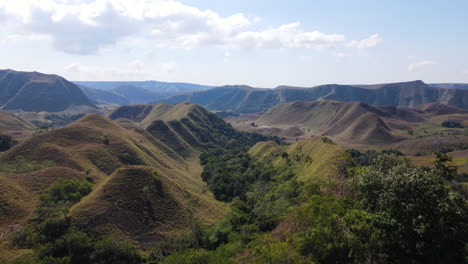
[260, 43]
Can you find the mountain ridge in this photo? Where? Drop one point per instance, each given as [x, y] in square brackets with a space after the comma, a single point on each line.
[35, 92]
[246, 99]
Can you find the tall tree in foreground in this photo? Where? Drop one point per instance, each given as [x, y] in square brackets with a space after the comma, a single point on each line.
[420, 218]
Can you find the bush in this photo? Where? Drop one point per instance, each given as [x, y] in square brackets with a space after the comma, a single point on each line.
[67, 191]
[22, 165]
[112, 251]
[7, 142]
[452, 124]
[328, 140]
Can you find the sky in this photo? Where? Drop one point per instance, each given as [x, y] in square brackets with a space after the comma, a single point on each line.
[262, 43]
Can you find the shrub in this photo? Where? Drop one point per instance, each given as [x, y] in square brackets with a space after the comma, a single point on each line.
[112, 251]
[7, 142]
[452, 124]
[22, 165]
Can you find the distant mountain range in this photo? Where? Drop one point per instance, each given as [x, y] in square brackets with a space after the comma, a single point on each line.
[246, 99]
[354, 124]
[35, 92]
[122, 93]
[461, 86]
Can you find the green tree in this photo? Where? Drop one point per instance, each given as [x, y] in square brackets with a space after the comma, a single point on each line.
[421, 218]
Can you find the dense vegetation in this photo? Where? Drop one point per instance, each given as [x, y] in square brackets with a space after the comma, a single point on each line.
[366, 158]
[7, 142]
[392, 212]
[452, 124]
[55, 240]
[228, 169]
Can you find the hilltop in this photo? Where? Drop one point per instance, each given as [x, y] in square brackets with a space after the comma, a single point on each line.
[183, 127]
[35, 92]
[123, 93]
[360, 125]
[246, 99]
[122, 160]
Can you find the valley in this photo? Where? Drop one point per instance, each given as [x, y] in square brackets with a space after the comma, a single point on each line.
[173, 181]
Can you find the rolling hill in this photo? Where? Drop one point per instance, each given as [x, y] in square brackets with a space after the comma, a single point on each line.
[104, 97]
[183, 127]
[359, 125]
[13, 125]
[35, 92]
[245, 99]
[154, 86]
[144, 189]
[123, 93]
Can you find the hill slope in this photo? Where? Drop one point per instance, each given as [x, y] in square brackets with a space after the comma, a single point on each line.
[245, 99]
[14, 125]
[183, 127]
[123, 93]
[103, 96]
[362, 126]
[35, 92]
[154, 86]
[343, 121]
[461, 86]
[120, 159]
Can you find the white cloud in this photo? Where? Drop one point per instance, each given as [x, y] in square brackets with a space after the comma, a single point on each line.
[340, 55]
[134, 70]
[83, 27]
[168, 67]
[421, 64]
[370, 42]
[149, 54]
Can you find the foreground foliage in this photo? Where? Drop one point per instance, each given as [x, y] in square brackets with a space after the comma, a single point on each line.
[54, 240]
[390, 212]
[394, 212]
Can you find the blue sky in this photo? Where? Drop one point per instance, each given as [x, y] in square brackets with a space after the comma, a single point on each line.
[259, 43]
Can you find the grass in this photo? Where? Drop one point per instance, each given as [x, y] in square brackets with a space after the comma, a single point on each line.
[22, 165]
[311, 158]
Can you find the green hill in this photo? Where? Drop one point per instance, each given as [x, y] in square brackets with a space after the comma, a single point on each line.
[115, 159]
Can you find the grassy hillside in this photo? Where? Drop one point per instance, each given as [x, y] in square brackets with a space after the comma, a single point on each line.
[245, 99]
[35, 92]
[13, 125]
[310, 159]
[114, 158]
[362, 126]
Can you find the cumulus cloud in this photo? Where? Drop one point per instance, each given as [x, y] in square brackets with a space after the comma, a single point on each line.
[83, 27]
[370, 42]
[134, 70]
[421, 64]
